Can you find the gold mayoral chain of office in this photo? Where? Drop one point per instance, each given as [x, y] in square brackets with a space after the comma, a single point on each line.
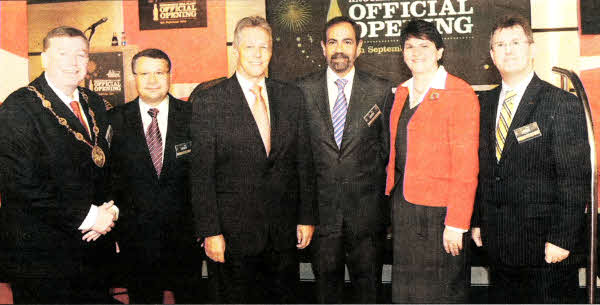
[97, 154]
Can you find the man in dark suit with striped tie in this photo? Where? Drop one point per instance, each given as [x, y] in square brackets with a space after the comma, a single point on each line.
[534, 178]
[151, 146]
[349, 141]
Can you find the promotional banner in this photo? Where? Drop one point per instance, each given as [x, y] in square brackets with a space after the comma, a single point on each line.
[105, 76]
[464, 25]
[172, 14]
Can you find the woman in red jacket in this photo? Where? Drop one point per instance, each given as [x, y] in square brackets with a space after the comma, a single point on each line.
[432, 173]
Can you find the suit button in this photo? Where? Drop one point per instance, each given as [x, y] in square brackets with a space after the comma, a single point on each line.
[498, 178]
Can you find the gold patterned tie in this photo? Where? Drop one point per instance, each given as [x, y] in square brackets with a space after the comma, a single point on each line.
[504, 122]
[259, 111]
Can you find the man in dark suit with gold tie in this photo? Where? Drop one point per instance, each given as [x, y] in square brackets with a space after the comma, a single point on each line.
[150, 170]
[349, 140]
[534, 177]
[252, 182]
[53, 179]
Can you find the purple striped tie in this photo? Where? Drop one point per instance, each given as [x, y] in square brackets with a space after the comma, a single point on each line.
[154, 141]
[339, 112]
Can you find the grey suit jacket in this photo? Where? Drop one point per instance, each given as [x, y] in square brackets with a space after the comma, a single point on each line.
[350, 179]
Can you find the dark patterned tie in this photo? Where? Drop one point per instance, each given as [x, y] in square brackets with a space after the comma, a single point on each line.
[154, 141]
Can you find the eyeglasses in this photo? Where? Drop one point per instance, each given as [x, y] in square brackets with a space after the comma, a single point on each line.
[158, 74]
[512, 44]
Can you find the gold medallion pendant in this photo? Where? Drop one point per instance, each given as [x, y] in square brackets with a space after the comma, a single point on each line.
[98, 156]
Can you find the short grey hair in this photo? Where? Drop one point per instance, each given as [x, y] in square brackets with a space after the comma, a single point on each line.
[250, 22]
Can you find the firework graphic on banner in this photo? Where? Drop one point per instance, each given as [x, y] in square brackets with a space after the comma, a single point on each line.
[296, 37]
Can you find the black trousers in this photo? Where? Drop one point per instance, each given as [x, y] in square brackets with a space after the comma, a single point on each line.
[60, 291]
[552, 283]
[269, 277]
[148, 288]
[362, 254]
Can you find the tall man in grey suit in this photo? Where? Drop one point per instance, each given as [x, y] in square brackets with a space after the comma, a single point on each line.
[534, 177]
[252, 179]
[349, 141]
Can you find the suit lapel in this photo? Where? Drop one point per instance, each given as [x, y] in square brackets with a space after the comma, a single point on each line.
[134, 122]
[85, 111]
[526, 106]
[274, 96]
[173, 123]
[322, 104]
[353, 116]
[242, 110]
[490, 121]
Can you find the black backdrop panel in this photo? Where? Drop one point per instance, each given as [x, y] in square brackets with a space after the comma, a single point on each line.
[464, 24]
[590, 16]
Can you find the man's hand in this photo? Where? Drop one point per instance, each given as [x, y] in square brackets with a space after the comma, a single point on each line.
[90, 235]
[476, 236]
[105, 220]
[107, 215]
[452, 241]
[214, 246]
[555, 254]
[304, 234]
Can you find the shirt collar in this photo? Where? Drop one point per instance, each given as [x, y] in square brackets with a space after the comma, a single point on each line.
[63, 97]
[520, 87]
[163, 107]
[438, 81]
[247, 84]
[332, 77]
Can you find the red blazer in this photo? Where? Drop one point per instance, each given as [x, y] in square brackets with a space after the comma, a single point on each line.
[441, 162]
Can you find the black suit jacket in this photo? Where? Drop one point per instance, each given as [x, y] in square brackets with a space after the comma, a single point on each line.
[155, 225]
[350, 179]
[48, 182]
[237, 190]
[538, 191]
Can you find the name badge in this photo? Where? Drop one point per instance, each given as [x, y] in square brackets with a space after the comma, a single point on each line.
[372, 115]
[528, 132]
[109, 134]
[183, 148]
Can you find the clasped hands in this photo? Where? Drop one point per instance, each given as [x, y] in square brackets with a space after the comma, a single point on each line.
[214, 246]
[553, 253]
[105, 221]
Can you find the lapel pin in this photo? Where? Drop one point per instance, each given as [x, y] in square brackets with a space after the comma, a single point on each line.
[434, 96]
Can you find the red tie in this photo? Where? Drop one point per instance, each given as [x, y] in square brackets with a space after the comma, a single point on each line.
[75, 107]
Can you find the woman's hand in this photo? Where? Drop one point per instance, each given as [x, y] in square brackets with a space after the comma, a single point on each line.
[452, 241]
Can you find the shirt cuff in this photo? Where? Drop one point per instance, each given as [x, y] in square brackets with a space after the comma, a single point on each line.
[90, 219]
[456, 229]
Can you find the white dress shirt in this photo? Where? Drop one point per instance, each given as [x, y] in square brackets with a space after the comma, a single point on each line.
[162, 117]
[332, 88]
[438, 82]
[250, 97]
